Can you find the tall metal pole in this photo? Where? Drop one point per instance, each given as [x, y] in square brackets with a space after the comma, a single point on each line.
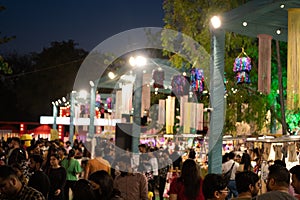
[217, 101]
[72, 114]
[92, 117]
[92, 110]
[54, 126]
[137, 104]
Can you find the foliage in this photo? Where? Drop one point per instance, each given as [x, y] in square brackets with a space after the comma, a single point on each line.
[40, 78]
[192, 18]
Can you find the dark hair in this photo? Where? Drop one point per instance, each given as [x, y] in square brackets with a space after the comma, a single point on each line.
[296, 170]
[244, 179]
[7, 171]
[212, 183]
[231, 155]
[105, 181]
[83, 190]
[279, 162]
[192, 154]
[246, 160]
[191, 179]
[37, 158]
[280, 174]
[55, 155]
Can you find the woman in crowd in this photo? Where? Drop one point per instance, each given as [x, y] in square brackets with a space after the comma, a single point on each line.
[73, 168]
[189, 185]
[57, 176]
[102, 184]
[83, 190]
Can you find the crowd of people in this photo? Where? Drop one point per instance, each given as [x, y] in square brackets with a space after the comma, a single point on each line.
[55, 170]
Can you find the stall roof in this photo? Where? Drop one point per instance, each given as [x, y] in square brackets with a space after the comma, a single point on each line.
[262, 17]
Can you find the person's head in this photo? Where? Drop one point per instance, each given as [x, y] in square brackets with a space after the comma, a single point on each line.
[2, 158]
[295, 171]
[54, 160]
[279, 162]
[215, 187]
[124, 163]
[35, 162]
[247, 181]
[192, 154]
[143, 148]
[10, 184]
[71, 153]
[83, 190]
[61, 152]
[231, 155]
[68, 143]
[278, 176]
[102, 183]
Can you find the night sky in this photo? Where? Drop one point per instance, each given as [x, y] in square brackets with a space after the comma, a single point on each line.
[37, 23]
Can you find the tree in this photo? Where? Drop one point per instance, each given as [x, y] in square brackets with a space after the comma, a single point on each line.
[192, 18]
[40, 78]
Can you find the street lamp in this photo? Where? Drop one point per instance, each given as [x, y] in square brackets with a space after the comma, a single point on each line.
[92, 110]
[139, 62]
[54, 126]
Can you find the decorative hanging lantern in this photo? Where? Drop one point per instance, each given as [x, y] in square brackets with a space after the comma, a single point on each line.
[158, 75]
[180, 85]
[197, 80]
[242, 67]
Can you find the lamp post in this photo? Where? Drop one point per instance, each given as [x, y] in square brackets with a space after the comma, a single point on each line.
[54, 126]
[92, 110]
[139, 62]
[72, 113]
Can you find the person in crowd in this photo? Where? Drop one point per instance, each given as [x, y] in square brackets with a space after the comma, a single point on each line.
[46, 157]
[143, 158]
[215, 187]
[277, 184]
[154, 169]
[62, 153]
[176, 158]
[247, 184]
[17, 154]
[225, 168]
[165, 163]
[192, 154]
[57, 176]
[68, 146]
[73, 168]
[83, 190]
[225, 157]
[38, 180]
[96, 164]
[102, 184]
[2, 158]
[11, 187]
[295, 171]
[189, 184]
[246, 161]
[108, 155]
[133, 186]
[22, 172]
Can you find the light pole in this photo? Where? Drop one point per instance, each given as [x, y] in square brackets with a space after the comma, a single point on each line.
[72, 113]
[138, 62]
[92, 110]
[54, 126]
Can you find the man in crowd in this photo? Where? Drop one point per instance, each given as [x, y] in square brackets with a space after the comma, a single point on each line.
[231, 164]
[12, 188]
[133, 186]
[215, 187]
[38, 180]
[277, 184]
[97, 163]
[247, 184]
[295, 171]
